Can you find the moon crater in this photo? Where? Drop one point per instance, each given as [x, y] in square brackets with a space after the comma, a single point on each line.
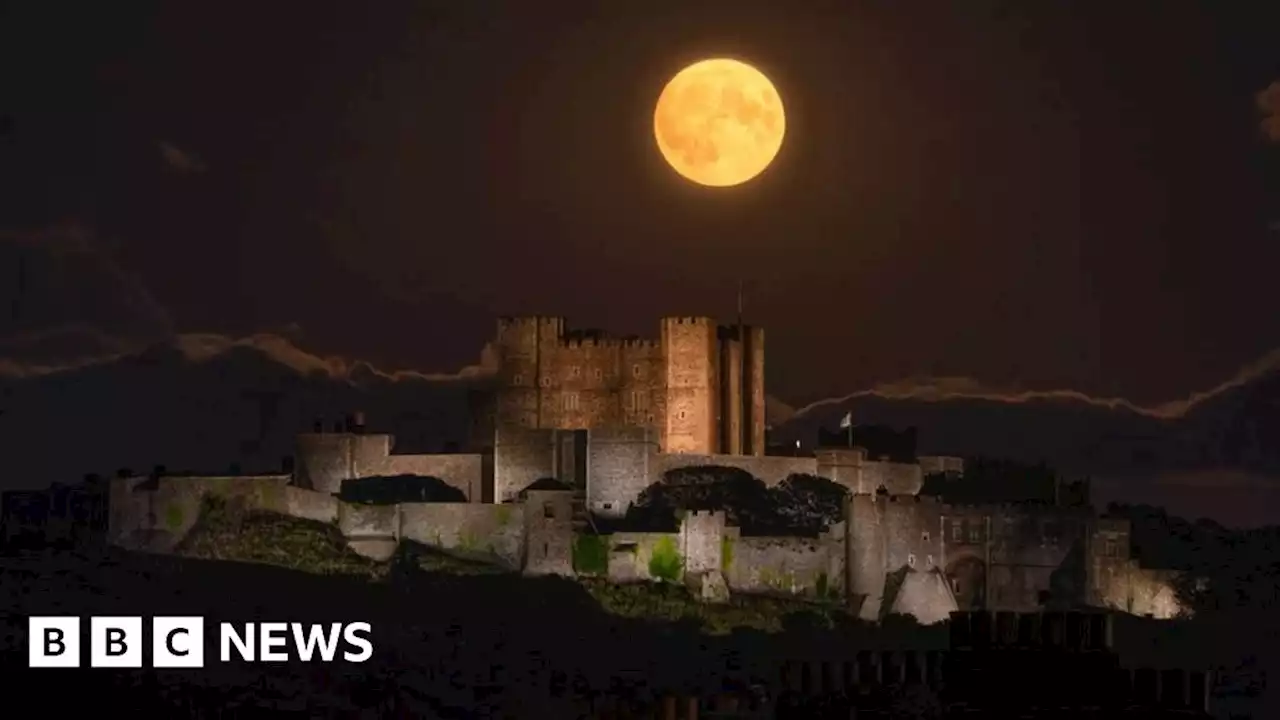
[719, 122]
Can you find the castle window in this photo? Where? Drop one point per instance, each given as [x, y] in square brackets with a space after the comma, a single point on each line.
[596, 374]
[608, 506]
[975, 533]
[911, 560]
[546, 550]
[635, 370]
[1109, 550]
[924, 536]
[548, 510]
[571, 402]
[681, 414]
[957, 530]
[575, 372]
[517, 380]
[545, 381]
[649, 418]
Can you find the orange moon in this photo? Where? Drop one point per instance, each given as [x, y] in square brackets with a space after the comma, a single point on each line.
[719, 122]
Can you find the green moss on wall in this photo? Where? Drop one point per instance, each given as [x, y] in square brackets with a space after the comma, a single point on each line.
[220, 487]
[590, 554]
[173, 516]
[665, 563]
[777, 580]
[269, 496]
[726, 553]
[820, 587]
[504, 514]
[468, 541]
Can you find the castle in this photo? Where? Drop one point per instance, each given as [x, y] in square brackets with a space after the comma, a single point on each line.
[699, 387]
[574, 426]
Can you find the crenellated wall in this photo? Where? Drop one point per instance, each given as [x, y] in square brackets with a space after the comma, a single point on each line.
[852, 468]
[902, 553]
[699, 386]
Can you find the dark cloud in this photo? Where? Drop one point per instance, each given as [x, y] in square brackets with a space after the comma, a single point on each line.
[179, 159]
[63, 276]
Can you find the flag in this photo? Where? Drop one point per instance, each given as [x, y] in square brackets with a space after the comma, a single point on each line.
[847, 420]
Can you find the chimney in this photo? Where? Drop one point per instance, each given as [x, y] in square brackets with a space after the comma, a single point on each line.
[357, 421]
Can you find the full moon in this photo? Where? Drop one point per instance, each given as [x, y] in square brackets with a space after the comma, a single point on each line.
[719, 122]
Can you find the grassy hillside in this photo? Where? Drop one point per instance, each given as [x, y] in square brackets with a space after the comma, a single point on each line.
[229, 533]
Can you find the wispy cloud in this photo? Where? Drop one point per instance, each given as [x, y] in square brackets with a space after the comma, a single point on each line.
[16, 355]
[958, 388]
[179, 159]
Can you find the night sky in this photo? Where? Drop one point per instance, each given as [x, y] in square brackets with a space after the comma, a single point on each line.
[1039, 195]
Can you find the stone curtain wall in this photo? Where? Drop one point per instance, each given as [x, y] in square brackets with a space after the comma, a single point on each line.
[158, 512]
[479, 531]
[325, 460]
[813, 567]
[461, 471]
[620, 465]
[151, 515]
[631, 555]
[852, 468]
[521, 457]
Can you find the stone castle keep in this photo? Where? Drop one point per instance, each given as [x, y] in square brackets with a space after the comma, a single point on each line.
[574, 426]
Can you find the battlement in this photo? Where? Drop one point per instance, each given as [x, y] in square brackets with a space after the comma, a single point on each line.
[509, 324]
[687, 320]
[591, 340]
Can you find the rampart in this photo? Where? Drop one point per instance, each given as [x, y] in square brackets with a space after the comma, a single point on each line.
[852, 468]
[813, 567]
[892, 554]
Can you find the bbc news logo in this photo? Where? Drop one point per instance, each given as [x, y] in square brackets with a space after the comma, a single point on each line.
[179, 642]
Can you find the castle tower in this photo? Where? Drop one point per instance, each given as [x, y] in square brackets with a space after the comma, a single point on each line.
[741, 390]
[526, 347]
[691, 351]
[731, 391]
[866, 548]
[753, 420]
